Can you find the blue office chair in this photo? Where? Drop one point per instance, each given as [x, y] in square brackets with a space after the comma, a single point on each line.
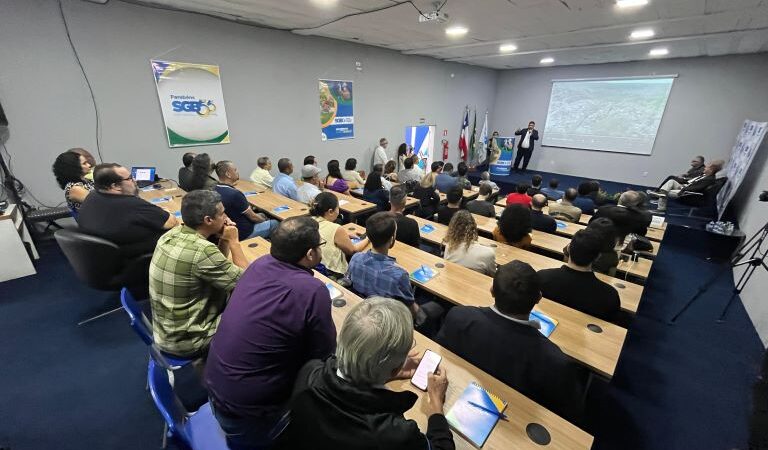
[199, 431]
[143, 328]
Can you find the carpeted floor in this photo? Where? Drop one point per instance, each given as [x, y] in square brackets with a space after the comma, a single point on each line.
[676, 387]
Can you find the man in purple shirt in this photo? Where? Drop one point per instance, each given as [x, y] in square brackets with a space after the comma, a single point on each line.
[278, 318]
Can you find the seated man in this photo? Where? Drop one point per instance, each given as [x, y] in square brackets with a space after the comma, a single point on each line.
[552, 192]
[257, 351]
[190, 277]
[461, 175]
[575, 284]
[673, 189]
[520, 196]
[539, 220]
[249, 223]
[445, 181]
[374, 273]
[485, 178]
[115, 212]
[535, 187]
[628, 216]
[481, 205]
[586, 198]
[339, 403]
[351, 175]
[283, 184]
[504, 342]
[311, 186]
[696, 170]
[411, 172]
[565, 209]
[407, 228]
[260, 174]
[445, 212]
[185, 173]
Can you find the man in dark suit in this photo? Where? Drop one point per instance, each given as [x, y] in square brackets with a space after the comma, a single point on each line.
[539, 220]
[698, 185]
[628, 216]
[513, 350]
[696, 170]
[526, 144]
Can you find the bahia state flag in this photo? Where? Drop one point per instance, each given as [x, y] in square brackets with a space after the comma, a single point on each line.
[464, 136]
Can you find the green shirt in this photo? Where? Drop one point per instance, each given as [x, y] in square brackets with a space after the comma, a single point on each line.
[189, 281]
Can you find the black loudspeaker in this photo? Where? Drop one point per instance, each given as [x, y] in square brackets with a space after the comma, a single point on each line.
[3, 119]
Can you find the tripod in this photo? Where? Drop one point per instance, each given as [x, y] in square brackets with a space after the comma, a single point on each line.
[749, 254]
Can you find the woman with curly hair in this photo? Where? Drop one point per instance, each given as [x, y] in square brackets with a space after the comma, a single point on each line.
[514, 226]
[461, 245]
[70, 169]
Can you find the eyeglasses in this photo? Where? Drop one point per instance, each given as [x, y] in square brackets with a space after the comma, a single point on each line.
[130, 178]
[320, 244]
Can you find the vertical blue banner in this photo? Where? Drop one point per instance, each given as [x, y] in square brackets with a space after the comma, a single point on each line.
[422, 139]
[502, 150]
[337, 118]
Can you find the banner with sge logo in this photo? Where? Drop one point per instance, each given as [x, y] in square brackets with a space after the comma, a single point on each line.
[192, 103]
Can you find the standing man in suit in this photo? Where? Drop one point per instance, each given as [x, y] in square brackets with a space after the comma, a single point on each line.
[525, 146]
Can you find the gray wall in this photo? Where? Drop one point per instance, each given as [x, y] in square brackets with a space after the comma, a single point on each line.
[269, 80]
[709, 101]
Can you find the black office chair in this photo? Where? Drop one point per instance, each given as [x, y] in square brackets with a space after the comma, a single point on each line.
[697, 205]
[98, 263]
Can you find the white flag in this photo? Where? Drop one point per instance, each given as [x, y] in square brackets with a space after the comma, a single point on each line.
[482, 143]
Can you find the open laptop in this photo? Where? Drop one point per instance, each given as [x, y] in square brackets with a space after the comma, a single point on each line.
[144, 176]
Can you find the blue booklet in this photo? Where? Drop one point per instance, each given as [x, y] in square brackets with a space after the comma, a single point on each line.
[281, 208]
[561, 224]
[249, 193]
[548, 324]
[333, 291]
[423, 274]
[427, 228]
[161, 200]
[177, 214]
[475, 414]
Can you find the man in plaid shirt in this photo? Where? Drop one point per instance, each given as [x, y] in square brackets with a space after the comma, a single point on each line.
[190, 278]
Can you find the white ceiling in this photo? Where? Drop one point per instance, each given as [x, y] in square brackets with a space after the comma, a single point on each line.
[571, 31]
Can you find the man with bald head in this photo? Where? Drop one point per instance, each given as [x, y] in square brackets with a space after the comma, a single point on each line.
[539, 220]
[629, 216]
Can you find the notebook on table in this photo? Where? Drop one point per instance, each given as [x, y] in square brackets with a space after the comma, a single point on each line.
[548, 324]
[427, 228]
[423, 274]
[160, 200]
[281, 208]
[475, 414]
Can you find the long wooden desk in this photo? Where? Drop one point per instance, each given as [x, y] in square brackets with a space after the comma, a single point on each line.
[410, 202]
[461, 286]
[158, 196]
[352, 206]
[555, 244]
[267, 201]
[521, 410]
[629, 293]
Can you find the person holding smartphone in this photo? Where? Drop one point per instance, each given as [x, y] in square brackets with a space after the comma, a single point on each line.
[526, 144]
[342, 402]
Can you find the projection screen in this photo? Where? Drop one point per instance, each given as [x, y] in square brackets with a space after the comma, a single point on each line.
[613, 115]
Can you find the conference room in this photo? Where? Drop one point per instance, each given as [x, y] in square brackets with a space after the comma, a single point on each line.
[516, 224]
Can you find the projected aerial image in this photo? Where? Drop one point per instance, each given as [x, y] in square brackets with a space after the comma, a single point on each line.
[612, 115]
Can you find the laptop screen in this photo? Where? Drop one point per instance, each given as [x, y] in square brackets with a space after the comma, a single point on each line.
[143, 173]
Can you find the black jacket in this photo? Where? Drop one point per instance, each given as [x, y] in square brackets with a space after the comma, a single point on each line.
[516, 354]
[543, 222]
[534, 137]
[699, 185]
[330, 413]
[428, 200]
[626, 219]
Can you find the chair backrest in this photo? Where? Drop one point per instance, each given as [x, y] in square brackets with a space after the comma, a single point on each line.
[166, 402]
[96, 261]
[138, 320]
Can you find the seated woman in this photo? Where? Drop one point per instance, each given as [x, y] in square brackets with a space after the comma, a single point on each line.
[201, 173]
[70, 170]
[390, 172]
[403, 151]
[335, 181]
[325, 209]
[341, 403]
[350, 174]
[429, 198]
[461, 245]
[374, 191]
[608, 259]
[514, 226]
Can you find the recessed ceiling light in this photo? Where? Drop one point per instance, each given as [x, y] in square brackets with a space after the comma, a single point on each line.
[456, 31]
[506, 48]
[630, 3]
[659, 52]
[547, 60]
[644, 33]
[324, 3]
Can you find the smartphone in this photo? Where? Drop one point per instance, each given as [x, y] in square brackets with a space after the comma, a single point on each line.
[429, 363]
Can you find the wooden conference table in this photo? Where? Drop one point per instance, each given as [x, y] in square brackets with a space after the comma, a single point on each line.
[521, 410]
[461, 286]
[167, 196]
[629, 293]
[555, 244]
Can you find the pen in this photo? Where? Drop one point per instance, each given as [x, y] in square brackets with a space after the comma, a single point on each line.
[501, 416]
